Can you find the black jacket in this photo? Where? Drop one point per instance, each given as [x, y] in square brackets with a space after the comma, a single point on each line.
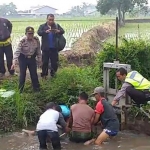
[5, 29]
[42, 32]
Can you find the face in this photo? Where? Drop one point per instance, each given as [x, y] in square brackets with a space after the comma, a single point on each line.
[97, 97]
[50, 20]
[120, 77]
[30, 36]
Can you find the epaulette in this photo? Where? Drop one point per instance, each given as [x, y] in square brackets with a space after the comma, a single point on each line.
[23, 40]
[36, 38]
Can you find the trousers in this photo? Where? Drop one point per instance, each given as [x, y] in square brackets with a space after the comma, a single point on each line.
[138, 96]
[52, 56]
[53, 136]
[29, 63]
[7, 50]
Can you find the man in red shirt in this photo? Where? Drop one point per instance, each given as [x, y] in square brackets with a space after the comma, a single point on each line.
[105, 113]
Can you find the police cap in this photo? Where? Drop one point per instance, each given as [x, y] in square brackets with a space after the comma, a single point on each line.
[29, 30]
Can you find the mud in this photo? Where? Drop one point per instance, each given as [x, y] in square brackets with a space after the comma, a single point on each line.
[89, 44]
[124, 141]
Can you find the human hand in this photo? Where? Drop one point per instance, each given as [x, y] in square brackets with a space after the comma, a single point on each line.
[57, 31]
[48, 31]
[14, 64]
[67, 130]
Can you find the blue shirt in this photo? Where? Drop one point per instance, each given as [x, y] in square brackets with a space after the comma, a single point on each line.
[51, 40]
[65, 110]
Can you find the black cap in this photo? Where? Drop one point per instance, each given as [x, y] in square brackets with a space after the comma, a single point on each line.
[29, 30]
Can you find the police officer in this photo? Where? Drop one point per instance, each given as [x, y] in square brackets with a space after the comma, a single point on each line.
[28, 49]
[5, 46]
[134, 85]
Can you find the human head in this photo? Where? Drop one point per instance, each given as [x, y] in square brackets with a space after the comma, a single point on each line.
[29, 32]
[50, 19]
[51, 105]
[98, 93]
[83, 96]
[121, 74]
[58, 108]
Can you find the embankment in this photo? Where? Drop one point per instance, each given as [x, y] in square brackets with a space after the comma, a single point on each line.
[85, 48]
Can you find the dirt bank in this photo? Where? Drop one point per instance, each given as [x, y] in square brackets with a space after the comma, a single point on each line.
[85, 48]
[137, 21]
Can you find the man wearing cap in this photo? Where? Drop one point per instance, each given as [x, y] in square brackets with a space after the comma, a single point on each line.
[5, 46]
[26, 53]
[105, 113]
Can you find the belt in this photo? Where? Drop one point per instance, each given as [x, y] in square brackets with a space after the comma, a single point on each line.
[28, 56]
[5, 43]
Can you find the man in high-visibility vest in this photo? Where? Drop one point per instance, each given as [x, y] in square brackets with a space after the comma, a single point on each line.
[134, 85]
[5, 46]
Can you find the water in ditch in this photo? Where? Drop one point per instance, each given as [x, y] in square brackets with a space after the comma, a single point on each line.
[124, 141]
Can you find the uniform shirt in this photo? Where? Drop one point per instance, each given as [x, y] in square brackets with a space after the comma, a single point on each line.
[108, 117]
[122, 91]
[82, 115]
[48, 121]
[28, 48]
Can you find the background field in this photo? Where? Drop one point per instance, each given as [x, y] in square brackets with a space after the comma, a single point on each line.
[73, 29]
[133, 31]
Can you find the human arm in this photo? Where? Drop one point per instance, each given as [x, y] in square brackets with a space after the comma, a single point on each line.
[16, 55]
[70, 122]
[38, 51]
[41, 31]
[9, 25]
[98, 111]
[59, 30]
[62, 122]
[120, 93]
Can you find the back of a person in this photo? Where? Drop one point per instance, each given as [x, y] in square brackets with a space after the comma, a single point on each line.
[108, 117]
[82, 115]
[48, 120]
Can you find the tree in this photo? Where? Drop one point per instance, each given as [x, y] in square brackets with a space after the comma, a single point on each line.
[8, 9]
[122, 6]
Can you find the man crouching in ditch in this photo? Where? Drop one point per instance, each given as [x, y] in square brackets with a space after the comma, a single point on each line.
[47, 129]
[105, 113]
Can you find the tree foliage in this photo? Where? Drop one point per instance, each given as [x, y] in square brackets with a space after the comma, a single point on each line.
[8, 9]
[123, 6]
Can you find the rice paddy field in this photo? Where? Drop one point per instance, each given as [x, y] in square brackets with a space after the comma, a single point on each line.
[133, 31]
[73, 29]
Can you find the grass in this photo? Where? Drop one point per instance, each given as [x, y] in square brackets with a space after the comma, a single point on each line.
[73, 29]
[131, 30]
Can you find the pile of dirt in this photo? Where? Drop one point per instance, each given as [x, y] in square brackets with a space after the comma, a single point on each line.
[89, 43]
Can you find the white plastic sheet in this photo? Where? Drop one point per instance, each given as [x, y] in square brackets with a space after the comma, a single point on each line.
[5, 94]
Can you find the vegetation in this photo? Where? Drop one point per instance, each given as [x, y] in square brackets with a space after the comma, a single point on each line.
[22, 110]
[122, 6]
[73, 29]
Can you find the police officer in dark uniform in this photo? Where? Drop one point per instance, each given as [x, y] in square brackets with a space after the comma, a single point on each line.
[26, 53]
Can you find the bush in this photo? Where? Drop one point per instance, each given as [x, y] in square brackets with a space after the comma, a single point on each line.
[23, 110]
[135, 53]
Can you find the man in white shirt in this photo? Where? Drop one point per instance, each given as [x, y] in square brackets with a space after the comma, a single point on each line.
[47, 127]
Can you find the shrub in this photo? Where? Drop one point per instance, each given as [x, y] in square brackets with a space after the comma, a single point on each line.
[135, 53]
[23, 110]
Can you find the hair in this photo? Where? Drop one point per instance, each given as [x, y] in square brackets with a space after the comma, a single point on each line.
[50, 15]
[102, 94]
[122, 71]
[50, 105]
[58, 108]
[83, 96]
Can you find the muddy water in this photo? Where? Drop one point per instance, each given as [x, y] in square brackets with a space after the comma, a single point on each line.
[124, 141]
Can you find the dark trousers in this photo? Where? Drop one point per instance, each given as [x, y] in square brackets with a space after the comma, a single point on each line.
[52, 56]
[7, 50]
[29, 63]
[43, 135]
[138, 96]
